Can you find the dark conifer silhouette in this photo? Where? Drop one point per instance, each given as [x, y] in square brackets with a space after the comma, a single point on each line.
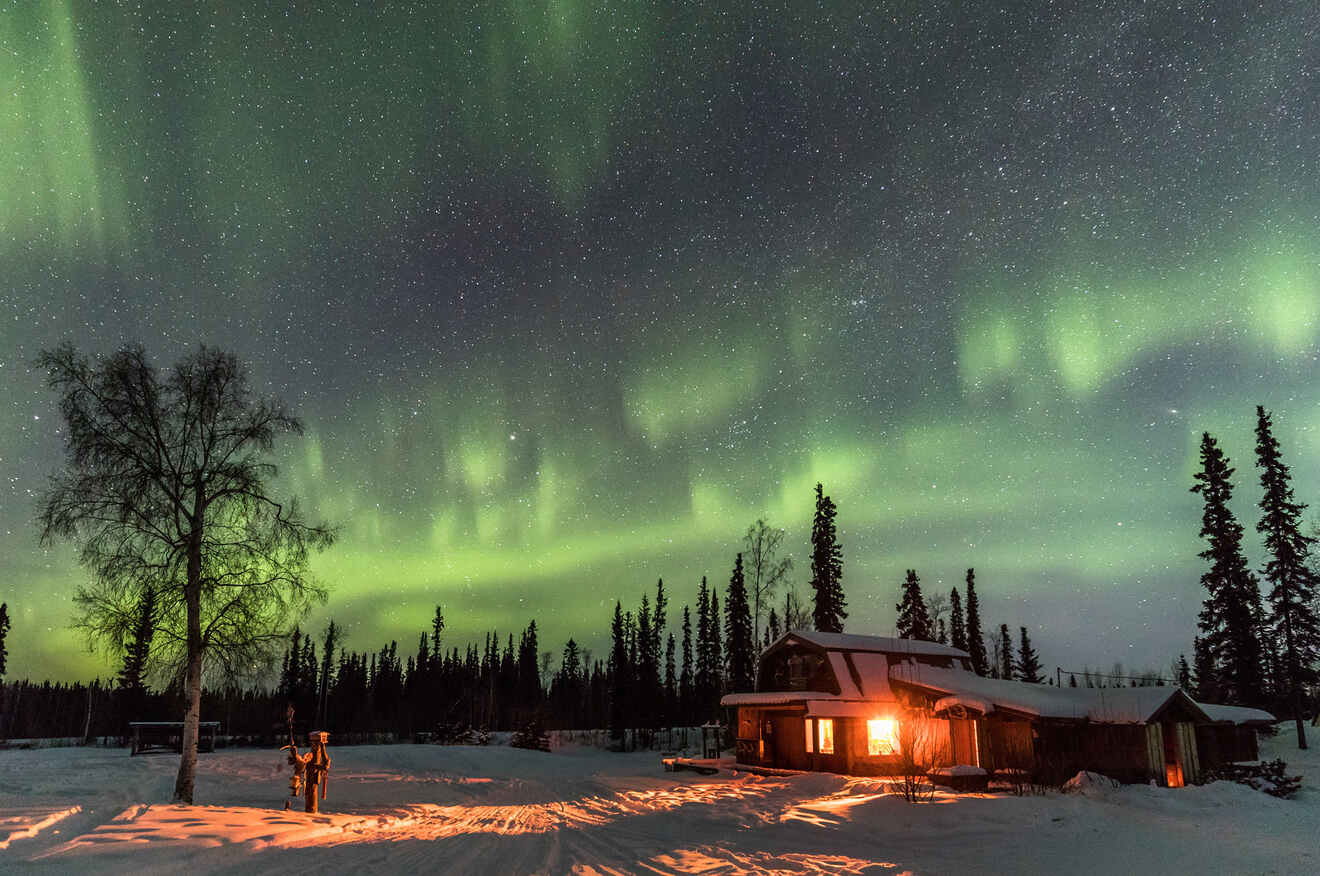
[738, 635]
[618, 675]
[686, 676]
[913, 619]
[1292, 622]
[957, 622]
[132, 677]
[1183, 674]
[772, 628]
[1231, 610]
[1027, 665]
[828, 612]
[1005, 652]
[975, 639]
[4, 631]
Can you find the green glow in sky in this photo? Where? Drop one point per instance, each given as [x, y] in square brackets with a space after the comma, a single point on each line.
[570, 293]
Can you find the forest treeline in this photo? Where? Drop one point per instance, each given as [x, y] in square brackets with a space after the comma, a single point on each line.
[666, 667]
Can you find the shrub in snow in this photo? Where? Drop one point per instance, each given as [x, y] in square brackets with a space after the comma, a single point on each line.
[1267, 776]
[531, 736]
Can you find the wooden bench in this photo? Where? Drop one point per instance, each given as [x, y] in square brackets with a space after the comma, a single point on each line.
[168, 736]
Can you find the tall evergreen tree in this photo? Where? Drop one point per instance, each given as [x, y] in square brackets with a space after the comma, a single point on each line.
[826, 568]
[618, 674]
[4, 631]
[913, 619]
[957, 622]
[138, 649]
[1005, 652]
[705, 681]
[772, 629]
[1292, 622]
[327, 669]
[671, 683]
[1229, 615]
[686, 678]
[738, 634]
[716, 656]
[1027, 664]
[437, 627]
[975, 639]
[1183, 673]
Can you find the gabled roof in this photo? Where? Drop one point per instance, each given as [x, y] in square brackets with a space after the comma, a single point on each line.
[882, 644]
[1114, 705]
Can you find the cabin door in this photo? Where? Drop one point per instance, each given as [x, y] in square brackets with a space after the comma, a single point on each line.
[962, 732]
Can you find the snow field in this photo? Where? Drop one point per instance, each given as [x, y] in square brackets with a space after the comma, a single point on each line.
[423, 808]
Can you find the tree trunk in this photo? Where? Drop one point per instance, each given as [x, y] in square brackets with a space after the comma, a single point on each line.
[192, 684]
[1297, 715]
[192, 688]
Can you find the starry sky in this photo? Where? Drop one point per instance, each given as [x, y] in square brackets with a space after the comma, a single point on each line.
[569, 293]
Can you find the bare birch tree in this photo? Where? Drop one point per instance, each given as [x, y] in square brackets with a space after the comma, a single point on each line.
[165, 485]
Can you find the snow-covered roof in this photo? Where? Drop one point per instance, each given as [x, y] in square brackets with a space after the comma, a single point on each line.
[1114, 705]
[967, 701]
[853, 642]
[847, 689]
[775, 697]
[1236, 714]
[873, 670]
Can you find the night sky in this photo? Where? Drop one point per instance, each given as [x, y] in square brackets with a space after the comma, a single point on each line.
[568, 294]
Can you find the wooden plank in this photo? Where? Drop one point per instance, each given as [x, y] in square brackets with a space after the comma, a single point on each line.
[1155, 752]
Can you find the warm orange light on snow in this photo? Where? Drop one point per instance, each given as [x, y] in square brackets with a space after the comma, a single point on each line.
[881, 737]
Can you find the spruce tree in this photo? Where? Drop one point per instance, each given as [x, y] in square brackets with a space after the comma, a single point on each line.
[327, 669]
[1028, 663]
[826, 568]
[1292, 622]
[957, 623]
[1231, 610]
[704, 687]
[686, 678]
[671, 684]
[138, 649]
[716, 656]
[618, 674]
[913, 619]
[772, 627]
[1005, 652]
[1183, 674]
[4, 630]
[975, 639]
[738, 635]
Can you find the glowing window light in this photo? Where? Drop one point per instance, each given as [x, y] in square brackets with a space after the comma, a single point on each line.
[881, 737]
[825, 736]
[808, 735]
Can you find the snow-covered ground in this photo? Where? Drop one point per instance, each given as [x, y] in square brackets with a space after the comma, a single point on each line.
[423, 808]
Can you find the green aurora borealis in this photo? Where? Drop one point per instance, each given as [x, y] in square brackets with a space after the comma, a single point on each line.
[569, 293]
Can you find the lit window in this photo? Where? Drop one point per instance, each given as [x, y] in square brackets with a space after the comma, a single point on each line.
[825, 740]
[881, 738]
[808, 734]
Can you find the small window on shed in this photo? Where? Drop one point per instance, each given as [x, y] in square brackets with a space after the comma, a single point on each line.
[808, 735]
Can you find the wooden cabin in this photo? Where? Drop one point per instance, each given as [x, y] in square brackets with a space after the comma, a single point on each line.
[825, 704]
[869, 705]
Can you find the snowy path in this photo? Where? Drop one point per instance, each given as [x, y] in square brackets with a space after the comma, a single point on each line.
[412, 808]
